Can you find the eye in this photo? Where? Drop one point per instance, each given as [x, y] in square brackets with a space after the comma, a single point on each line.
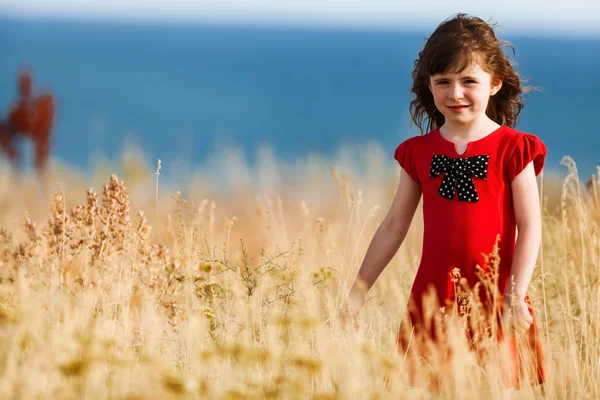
[442, 82]
[470, 81]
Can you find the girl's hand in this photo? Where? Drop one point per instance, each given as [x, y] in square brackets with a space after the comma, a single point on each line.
[348, 318]
[516, 318]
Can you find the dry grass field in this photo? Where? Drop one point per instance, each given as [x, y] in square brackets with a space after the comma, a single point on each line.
[123, 285]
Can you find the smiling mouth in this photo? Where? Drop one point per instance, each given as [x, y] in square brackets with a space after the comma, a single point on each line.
[457, 109]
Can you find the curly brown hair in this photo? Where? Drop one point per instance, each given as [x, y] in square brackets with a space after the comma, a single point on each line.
[451, 48]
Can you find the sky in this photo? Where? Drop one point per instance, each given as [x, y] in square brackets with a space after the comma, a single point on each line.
[577, 17]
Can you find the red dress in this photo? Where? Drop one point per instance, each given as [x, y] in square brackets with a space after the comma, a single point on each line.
[467, 207]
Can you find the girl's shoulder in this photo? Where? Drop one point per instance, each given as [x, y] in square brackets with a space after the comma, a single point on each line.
[420, 139]
[514, 137]
[411, 145]
[522, 148]
[415, 148]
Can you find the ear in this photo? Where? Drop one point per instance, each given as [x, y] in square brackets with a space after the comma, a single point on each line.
[496, 86]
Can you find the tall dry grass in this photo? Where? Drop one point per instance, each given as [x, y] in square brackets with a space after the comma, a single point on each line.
[121, 292]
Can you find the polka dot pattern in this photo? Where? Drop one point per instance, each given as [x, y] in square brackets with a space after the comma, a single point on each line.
[458, 175]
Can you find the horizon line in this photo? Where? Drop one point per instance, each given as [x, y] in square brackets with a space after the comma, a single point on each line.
[296, 25]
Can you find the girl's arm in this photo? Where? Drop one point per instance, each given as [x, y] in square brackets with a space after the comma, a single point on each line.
[388, 238]
[526, 204]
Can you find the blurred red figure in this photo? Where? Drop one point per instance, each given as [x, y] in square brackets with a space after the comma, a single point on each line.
[31, 117]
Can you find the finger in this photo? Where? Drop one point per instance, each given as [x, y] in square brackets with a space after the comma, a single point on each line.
[529, 319]
[525, 314]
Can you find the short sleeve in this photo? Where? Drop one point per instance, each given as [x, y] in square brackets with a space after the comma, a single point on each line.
[404, 154]
[529, 148]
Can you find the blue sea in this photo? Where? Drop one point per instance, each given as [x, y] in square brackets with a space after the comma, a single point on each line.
[180, 91]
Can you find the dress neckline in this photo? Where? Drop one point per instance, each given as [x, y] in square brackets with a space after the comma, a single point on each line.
[469, 144]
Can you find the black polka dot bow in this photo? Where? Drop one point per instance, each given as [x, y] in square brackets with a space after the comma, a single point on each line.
[458, 175]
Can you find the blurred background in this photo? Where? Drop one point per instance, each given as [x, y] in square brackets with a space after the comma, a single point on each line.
[183, 81]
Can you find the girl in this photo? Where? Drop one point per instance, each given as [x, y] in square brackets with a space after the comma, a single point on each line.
[477, 177]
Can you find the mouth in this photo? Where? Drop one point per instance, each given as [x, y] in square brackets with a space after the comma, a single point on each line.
[458, 108]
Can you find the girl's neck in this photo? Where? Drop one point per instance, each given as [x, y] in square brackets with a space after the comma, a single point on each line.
[468, 132]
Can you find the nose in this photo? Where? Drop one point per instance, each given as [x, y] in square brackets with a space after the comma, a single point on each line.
[456, 92]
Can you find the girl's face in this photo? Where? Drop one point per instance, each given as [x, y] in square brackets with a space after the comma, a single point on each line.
[462, 98]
